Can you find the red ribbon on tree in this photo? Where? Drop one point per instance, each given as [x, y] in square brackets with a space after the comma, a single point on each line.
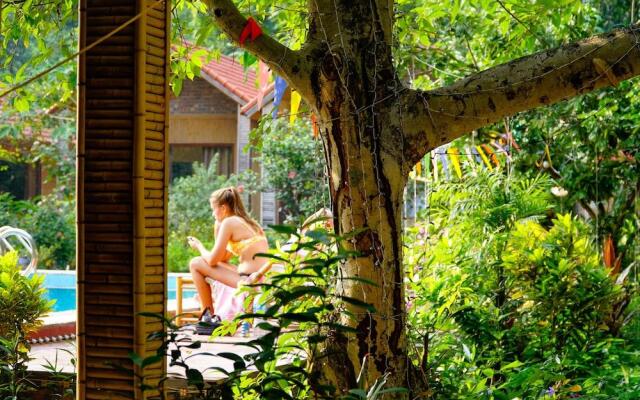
[251, 30]
[314, 123]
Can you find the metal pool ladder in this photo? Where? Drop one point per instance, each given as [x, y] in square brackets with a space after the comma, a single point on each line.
[24, 239]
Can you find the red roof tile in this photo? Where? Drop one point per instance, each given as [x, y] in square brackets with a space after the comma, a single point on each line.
[254, 101]
[231, 74]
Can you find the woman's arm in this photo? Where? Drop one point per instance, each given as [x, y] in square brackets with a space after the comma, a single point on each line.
[219, 251]
[216, 228]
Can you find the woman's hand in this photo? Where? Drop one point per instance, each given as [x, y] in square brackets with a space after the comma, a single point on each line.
[249, 280]
[255, 277]
[194, 243]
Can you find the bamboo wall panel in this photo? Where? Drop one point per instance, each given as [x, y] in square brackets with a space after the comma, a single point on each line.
[122, 193]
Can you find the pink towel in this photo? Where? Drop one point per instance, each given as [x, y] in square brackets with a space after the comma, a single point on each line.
[226, 303]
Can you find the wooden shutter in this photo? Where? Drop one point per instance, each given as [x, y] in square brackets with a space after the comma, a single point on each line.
[121, 193]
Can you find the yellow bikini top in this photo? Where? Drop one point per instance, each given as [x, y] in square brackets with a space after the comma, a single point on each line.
[237, 247]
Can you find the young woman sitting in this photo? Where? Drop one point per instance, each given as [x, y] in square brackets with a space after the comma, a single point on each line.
[236, 233]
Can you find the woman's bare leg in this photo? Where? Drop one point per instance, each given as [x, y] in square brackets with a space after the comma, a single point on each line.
[228, 266]
[222, 272]
[196, 265]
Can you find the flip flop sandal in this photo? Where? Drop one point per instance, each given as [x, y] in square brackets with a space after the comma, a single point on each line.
[207, 323]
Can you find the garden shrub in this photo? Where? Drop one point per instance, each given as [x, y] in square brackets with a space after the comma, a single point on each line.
[507, 302]
[293, 165]
[21, 298]
[23, 303]
[50, 221]
[178, 253]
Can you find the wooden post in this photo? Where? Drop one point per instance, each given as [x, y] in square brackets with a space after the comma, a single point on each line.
[123, 99]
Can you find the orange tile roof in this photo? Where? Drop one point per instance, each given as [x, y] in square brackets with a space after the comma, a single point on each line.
[254, 101]
[231, 74]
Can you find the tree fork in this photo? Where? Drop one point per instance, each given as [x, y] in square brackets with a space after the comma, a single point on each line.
[374, 130]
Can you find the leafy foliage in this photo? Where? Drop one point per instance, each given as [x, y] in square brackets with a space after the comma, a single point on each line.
[293, 312]
[293, 165]
[23, 303]
[21, 298]
[507, 302]
[593, 147]
[51, 223]
[34, 36]
[439, 42]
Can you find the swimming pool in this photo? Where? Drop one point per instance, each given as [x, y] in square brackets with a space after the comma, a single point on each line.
[61, 286]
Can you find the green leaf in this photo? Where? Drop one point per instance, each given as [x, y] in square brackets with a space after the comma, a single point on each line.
[198, 56]
[151, 360]
[194, 377]
[394, 390]
[176, 86]
[358, 393]
[238, 362]
[512, 365]
[21, 104]
[299, 291]
[137, 360]
[285, 229]
[248, 60]
[298, 317]
[357, 303]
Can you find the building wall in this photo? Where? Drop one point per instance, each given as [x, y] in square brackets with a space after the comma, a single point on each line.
[48, 183]
[266, 202]
[203, 116]
[202, 129]
[199, 97]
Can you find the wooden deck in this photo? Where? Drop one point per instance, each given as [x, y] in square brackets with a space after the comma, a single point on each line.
[61, 354]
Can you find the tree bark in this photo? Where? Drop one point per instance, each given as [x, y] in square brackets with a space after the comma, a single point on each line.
[544, 78]
[367, 178]
[374, 130]
[355, 94]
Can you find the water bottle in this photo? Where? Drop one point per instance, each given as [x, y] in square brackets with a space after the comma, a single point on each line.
[259, 308]
[244, 328]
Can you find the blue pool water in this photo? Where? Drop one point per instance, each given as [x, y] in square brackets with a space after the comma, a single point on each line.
[61, 286]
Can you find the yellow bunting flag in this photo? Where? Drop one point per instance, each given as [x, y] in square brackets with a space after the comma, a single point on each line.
[455, 161]
[419, 168]
[295, 104]
[484, 158]
[263, 80]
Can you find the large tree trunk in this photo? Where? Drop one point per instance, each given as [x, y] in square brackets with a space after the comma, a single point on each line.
[366, 183]
[355, 95]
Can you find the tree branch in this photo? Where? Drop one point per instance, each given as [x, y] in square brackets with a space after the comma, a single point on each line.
[284, 61]
[440, 116]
